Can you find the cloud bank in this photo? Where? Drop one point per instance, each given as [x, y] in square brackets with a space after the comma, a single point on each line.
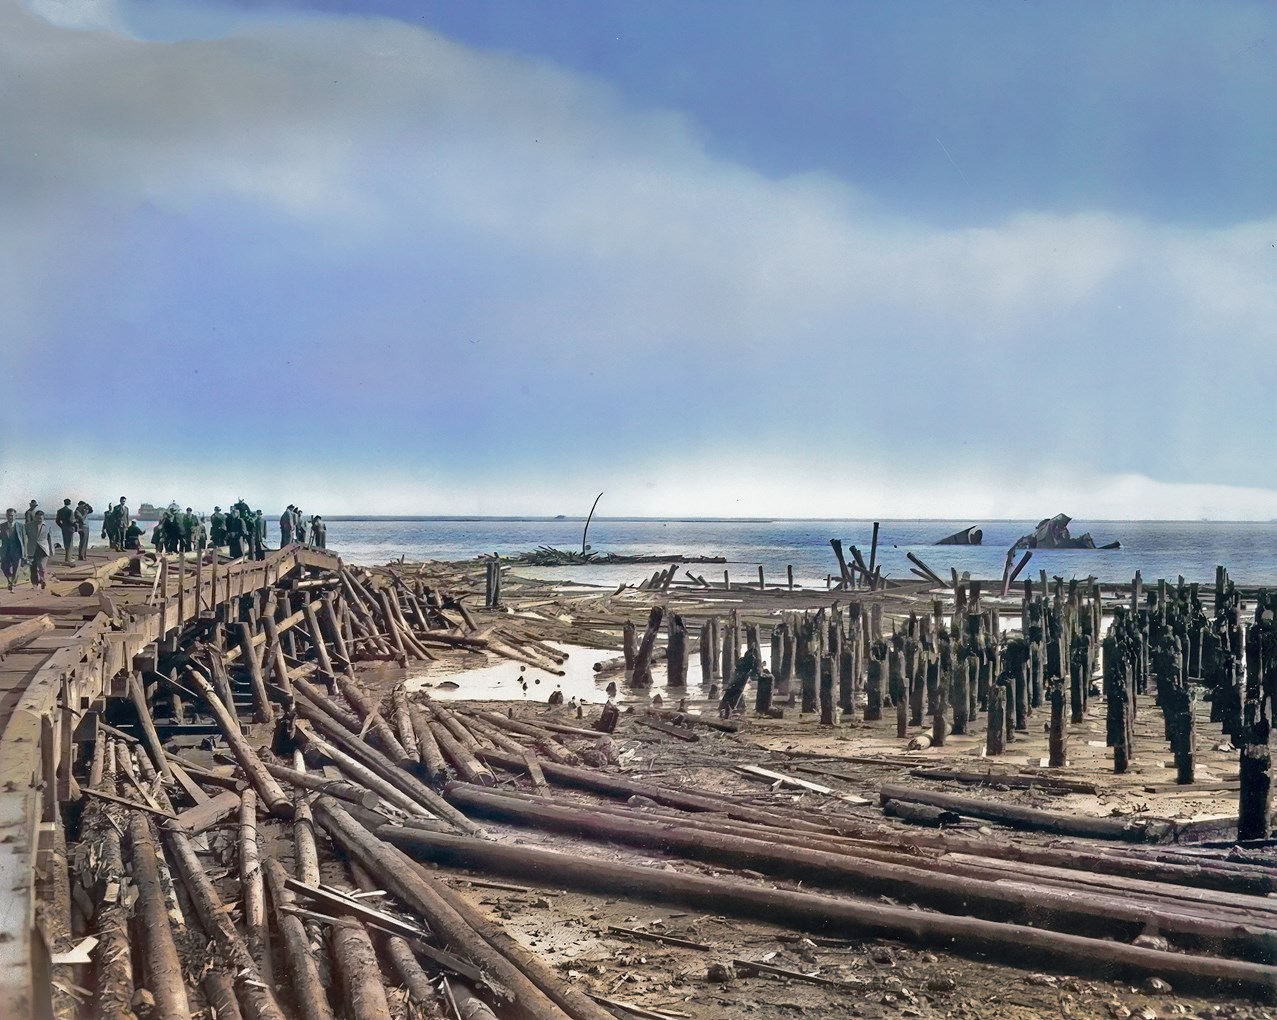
[350, 256]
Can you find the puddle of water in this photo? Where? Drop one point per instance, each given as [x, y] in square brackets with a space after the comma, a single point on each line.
[511, 681]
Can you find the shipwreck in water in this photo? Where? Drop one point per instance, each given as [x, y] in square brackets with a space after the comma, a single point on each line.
[1053, 533]
[967, 536]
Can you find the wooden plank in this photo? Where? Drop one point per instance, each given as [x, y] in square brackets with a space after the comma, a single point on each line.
[204, 816]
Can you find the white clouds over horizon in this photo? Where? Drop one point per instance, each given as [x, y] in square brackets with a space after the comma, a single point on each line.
[498, 271]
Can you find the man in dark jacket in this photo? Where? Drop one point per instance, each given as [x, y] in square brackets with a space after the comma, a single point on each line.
[65, 520]
[13, 548]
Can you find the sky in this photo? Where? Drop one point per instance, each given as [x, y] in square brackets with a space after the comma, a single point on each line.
[827, 258]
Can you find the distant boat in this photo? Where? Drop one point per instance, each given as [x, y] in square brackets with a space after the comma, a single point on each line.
[147, 512]
[560, 517]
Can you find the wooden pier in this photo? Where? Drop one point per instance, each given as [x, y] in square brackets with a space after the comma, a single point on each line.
[93, 626]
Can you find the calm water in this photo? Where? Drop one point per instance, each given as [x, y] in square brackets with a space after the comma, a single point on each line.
[1157, 548]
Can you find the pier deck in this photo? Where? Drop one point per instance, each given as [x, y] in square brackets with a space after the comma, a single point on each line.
[104, 611]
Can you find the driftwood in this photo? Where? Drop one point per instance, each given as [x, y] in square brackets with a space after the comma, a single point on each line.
[827, 915]
[395, 872]
[304, 979]
[1076, 911]
[1149, 830]
[254, 995]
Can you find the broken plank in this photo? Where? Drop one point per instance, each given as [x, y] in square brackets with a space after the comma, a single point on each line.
[204, 816]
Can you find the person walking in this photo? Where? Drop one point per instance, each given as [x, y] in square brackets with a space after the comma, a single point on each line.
[65, 520]
[39, 538]
[81, 521]
[13, 549]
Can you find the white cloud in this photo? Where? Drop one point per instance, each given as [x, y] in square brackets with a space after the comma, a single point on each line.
[814, 308]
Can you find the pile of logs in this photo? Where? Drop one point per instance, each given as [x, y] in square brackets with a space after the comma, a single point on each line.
[240, 880]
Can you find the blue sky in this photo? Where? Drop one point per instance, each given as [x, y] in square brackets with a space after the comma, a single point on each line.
[803, 259]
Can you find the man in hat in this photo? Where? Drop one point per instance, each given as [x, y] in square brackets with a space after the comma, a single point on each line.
[65, 520]
[286, 527]
[39, 538]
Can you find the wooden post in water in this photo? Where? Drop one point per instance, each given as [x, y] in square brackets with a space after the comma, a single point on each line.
[995, 737]
[643, 657]
[873, 688]
[763, 693]
[1059, 732]
[959, 698]
[677, 651]
[707, 652]
[789, 570]
[762, 586]
[826, 691]
[806, 666]
[873, 557]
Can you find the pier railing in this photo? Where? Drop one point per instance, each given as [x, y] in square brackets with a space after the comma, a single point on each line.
[52, 712]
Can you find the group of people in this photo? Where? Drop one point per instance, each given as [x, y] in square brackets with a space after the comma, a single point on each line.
[293, 527]
[240, 530]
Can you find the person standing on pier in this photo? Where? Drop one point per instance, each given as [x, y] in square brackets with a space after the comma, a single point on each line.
[190, 524]
[217, 527]
[258, 524]
[39, 538]
[299, 526]
[65, 520]
[286, 527]
[318, 532]
[81, 520]
[12, 546]
[235, 533]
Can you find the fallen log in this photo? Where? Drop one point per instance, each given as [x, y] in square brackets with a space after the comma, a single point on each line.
[254, 994]
[550, 745]
[261, 700]
[565, 995]
[361, 774]
[378, 763]
[827, 915]
[253, 886]
[427, 746]
[1090, 912]
[1151, 830]
[395, 872]
[459, 757]
[371, 718]
[304, 980]
[403, 722]
[618, 786]
[113, 977]
[272, 795]
[18, 635]
[361, 795]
